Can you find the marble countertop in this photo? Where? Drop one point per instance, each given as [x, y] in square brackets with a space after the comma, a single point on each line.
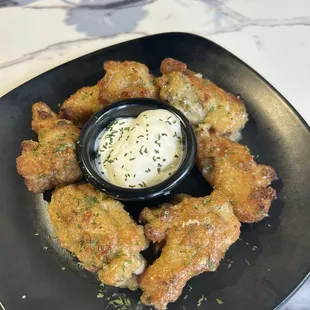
[270, 36]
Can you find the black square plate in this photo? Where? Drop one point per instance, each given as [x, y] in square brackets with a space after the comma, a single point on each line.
[259, 271]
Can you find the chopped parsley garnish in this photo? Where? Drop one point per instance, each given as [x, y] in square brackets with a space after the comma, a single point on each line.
[210, 263]
[200, 300]
[219, 301]
[91, 199]
[156, 142]
[93, 242]
[62, 147]
[121, 302]
[141, 151]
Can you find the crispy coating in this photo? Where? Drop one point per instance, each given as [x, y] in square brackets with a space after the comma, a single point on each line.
[199, 99]
[182, 89]
[229, 167]
[100, 233]
[79, 107]
[52, 160]
[198, 232]
[128, 79]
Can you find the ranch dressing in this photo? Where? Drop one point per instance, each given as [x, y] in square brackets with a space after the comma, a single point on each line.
[140, 152]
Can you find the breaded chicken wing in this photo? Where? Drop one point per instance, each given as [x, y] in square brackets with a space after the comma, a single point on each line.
[198, 232]
[100, 233]
[229, 167]
[199, 99]
[81, 105]
[128, 79]
[52, 160]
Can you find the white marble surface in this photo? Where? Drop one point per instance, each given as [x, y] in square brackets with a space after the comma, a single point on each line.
[272, 36]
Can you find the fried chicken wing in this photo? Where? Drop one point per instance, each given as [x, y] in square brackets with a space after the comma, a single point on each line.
[100, 233]
[52, 160]
[128, 79]
[199, 99]
[81, 105]
[198, 232]
[229, 167]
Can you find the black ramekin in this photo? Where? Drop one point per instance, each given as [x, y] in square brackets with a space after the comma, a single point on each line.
[132, 108]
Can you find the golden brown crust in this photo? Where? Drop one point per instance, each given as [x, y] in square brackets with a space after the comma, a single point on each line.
[100, 233]
[122, 80]
[169, 65]
[199, 99]
[229, 167]
[52, 160]
[185, 93]
[198, 232]
[128, 79]
[226, 112]
[79, 107]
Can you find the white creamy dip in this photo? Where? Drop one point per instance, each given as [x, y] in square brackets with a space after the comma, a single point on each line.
[140, 152]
